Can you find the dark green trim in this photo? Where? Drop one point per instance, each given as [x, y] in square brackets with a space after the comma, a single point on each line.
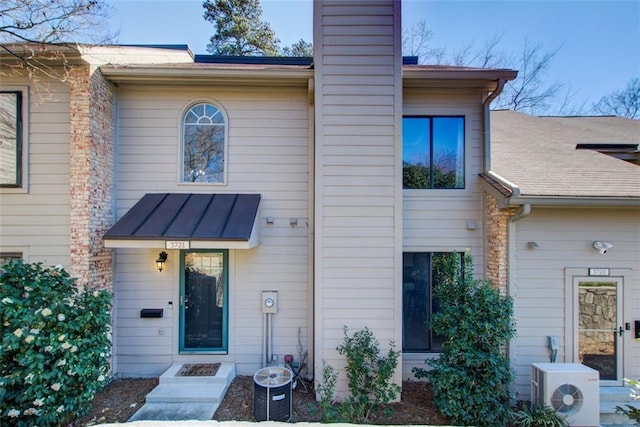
[225, 308]
[19, 136]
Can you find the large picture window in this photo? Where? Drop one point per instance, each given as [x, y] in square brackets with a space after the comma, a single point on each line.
[11, 139]
[203, 144]
[432, 152]
[422, 272]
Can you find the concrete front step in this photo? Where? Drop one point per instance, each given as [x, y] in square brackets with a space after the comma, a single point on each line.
[187, 393]
[186, 398]
[610, 397]
[615, 394]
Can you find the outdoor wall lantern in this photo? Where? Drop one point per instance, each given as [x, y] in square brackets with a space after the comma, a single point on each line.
[162, 258]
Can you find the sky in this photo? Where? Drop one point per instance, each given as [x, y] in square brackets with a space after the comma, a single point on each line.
[598, 41]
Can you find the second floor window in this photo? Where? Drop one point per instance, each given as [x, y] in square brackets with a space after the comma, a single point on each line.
[203, 144]
[432, 152]
[10, 139]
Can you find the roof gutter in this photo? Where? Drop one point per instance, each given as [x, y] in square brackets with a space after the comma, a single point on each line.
[190, 75]
[486, 131]
[565, 201]
[515, 190]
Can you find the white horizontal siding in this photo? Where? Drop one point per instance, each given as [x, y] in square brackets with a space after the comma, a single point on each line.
[35, 220]
[564, 237]
[268, 153]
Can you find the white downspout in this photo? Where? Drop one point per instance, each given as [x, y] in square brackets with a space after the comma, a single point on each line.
[486, 144]
[486, 131]
[524, 211]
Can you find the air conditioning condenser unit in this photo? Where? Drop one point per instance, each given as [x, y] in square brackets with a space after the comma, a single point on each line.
[571, 389]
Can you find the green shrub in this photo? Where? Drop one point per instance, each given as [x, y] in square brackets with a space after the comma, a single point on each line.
[470, 380]
[55, 345]
[369, 375]
[528, 415]
[326, 391]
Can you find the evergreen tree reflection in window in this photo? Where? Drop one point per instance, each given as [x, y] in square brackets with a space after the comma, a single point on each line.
[423, 271]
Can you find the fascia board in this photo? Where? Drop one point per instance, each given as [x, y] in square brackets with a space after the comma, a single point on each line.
[229, 76]
[483, 79]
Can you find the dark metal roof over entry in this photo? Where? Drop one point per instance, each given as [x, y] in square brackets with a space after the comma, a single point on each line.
[188, 221]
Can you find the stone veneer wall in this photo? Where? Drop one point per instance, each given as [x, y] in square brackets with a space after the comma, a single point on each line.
[497, 243]
[91, 180]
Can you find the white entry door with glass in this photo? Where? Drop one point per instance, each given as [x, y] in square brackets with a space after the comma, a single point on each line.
[599, 331]
[203, 301]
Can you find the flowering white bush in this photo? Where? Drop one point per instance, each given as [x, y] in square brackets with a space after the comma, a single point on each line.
[56, 345]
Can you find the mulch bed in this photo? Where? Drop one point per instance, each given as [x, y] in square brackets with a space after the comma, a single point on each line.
[123, 397]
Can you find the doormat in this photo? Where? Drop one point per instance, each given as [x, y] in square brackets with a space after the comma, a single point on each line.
[198, 370]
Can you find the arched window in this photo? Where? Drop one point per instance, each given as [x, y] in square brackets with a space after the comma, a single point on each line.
[203, 144]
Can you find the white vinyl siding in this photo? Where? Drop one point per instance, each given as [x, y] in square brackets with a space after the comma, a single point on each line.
[268, 153]
[34, 219]
[565, 238]
[358, 95]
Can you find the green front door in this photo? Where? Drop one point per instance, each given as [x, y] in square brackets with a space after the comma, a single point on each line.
[204, 301]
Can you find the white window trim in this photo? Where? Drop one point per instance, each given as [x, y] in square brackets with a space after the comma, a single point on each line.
[24, 185]
[184, 110]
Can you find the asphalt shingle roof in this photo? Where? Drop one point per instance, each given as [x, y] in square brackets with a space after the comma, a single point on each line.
[538, 154]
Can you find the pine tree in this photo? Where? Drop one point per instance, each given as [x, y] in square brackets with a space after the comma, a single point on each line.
[239, 29]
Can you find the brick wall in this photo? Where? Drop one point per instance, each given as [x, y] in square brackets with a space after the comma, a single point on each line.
[92, 180]
[497, 243]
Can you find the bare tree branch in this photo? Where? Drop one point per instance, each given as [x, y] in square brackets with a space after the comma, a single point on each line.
[529, 92]
[54, 21]
[29, 27]
[623, 103]
[488, 56]
[416, 41]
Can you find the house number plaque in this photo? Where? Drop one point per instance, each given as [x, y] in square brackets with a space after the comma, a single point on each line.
[177, 244]
[598, 272]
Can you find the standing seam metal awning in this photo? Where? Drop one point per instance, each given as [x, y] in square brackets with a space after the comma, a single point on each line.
[188, 221]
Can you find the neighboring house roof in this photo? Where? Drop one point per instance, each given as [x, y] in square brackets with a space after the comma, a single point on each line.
[224, 220]
[536, 158]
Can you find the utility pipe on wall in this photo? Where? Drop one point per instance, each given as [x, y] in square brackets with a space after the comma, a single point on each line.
[264, 339]
[267, 344]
